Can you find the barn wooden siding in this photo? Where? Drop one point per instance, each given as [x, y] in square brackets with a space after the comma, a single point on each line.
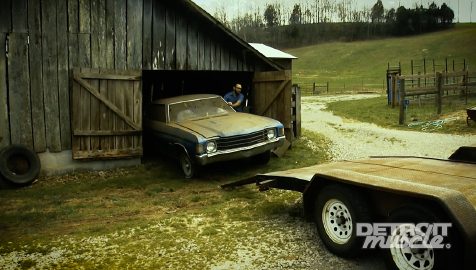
[46, 39]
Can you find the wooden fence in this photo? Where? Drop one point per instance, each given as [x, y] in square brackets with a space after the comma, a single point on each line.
[429, 84]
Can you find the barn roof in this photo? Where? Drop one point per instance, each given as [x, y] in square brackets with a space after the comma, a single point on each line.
[194, 8]
[271, 52]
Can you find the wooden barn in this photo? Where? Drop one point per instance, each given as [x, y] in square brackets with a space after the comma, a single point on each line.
[75, 74]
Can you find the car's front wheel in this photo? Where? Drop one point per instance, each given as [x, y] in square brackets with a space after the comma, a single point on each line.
[189, 168]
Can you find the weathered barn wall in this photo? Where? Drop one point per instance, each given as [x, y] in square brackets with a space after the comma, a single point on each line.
[46, 39]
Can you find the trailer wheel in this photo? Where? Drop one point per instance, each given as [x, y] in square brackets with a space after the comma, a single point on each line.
[401, 254]
[189, 168]
[337, 210]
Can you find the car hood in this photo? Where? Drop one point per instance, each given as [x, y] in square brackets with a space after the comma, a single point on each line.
[230, 124]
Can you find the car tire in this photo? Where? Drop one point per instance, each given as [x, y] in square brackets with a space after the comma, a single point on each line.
[337, 211]
[263, 158]
[403, 257]
[189, 168]
[19, 165]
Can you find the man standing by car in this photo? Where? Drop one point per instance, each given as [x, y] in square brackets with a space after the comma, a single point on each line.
[235, 98]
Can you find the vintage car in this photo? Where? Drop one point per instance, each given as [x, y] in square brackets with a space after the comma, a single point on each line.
[203, 129]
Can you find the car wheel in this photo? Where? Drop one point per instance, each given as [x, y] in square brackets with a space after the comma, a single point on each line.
[188, 167]
[337, 211]
[263, 158]
[401, 255]
[19, 165]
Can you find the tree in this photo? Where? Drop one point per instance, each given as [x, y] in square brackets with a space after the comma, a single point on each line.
[296, 15]
[447, 14]
[271, 16]
[377, 12]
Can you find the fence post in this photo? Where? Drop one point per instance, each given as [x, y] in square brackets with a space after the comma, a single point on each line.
[465, 83]
[401, 118]
[327, 87]
[314, 88]
[439, 87]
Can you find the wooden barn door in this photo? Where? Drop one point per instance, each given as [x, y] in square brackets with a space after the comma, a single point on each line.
[271, 95]
[106, 111]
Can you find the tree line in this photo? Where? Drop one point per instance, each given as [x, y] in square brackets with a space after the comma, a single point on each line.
[328, 20]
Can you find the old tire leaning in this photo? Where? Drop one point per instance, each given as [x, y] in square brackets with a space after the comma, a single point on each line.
[402, 256]
[19, 165]
[337, 210]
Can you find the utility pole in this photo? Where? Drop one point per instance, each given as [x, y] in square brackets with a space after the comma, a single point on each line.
[471, 13]
[458, 11]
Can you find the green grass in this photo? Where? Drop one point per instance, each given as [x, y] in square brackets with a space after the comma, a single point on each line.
[147, 217]
[354, 63]
[418, 114]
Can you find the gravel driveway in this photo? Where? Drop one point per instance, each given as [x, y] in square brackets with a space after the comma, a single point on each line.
[352, 140]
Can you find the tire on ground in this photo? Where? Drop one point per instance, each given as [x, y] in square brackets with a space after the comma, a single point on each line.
[338, 209]
[19, 165]
[189, 168]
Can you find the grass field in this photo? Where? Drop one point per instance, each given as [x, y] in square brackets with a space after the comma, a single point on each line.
[148, 217]
[362, 65]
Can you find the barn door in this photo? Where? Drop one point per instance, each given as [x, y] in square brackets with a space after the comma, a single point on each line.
[106, 111]
[271, 96]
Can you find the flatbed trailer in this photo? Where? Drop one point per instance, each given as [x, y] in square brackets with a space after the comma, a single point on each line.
[346, 196]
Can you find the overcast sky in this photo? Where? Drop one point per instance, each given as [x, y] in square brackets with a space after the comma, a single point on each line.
[461, 8]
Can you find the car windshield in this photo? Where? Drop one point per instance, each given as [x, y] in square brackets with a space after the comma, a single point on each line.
[199, 108]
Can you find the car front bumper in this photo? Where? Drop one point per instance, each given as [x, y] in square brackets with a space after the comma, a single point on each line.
[238, 153]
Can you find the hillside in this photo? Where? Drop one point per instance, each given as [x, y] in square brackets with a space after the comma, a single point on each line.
[363, 65]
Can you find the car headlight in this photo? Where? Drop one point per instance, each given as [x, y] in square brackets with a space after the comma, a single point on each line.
[271, 134]
[211, 147]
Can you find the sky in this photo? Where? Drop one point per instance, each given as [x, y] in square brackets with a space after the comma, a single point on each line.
[461, 8]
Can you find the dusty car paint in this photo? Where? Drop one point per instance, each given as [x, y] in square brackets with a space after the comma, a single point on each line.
[192, 134]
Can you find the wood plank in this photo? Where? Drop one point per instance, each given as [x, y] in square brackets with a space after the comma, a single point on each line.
[120, 35]
[73, 16]
[6, 16]
[181, 42]
[158, 36]
[95, 117]
[111, 116]
[85, 117]
[85, 16]
[19, 91]
[134, 34]
[50, 75]
[4, 123]
[113, 106]
[192, 47]
[207, 54]
[128, 109]
[36, 77]
[224, 58]
[63, 75]
[119, 112]
[104, 133]
[170, 39]
[95, 38]
[19, 16]
[110, 9]
[200, 50]
[298, 118]
[73, 51]
[112, 154]
[76, 113]
[105, 143]
[147, 35]
[137, 117]
[108, 75]
[84, 50]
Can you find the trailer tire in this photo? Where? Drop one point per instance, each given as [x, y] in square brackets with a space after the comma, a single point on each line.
[19, 165]
[403, 257]
[338, 209]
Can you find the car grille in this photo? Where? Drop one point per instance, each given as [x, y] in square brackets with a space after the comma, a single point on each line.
[241, 140]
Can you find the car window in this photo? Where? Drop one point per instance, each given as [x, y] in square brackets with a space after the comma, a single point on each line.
[200, 108]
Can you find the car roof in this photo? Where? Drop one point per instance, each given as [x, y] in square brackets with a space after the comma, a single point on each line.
[183, 98]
